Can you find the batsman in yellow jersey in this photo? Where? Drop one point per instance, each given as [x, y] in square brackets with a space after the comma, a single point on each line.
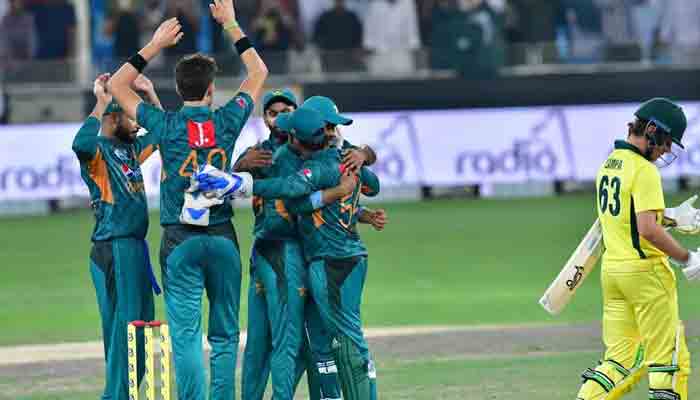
[642, 330]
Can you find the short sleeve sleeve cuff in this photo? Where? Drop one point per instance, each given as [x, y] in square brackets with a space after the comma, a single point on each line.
[648, 193]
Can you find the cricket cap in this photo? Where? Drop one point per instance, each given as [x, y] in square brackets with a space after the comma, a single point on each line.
[304, 124]
[328, 109]
[282, 95]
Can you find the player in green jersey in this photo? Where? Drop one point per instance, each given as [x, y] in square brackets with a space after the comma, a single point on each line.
[110, 156]
[277, 293]
[197, 256]
[330, 242]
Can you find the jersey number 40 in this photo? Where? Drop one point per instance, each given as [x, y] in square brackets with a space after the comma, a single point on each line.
[191, 164]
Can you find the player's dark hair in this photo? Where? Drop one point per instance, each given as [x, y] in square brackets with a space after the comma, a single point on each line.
[193, 75]
[638, 127]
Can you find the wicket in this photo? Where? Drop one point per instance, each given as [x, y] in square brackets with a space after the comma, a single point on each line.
[149, 378]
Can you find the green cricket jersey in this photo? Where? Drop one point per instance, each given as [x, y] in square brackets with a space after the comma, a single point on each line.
[272, 220]
[188, 139]
[111, 169]
[329, 231]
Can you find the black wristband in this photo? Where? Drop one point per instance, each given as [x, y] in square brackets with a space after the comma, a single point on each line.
[138, 62]
[243, 44]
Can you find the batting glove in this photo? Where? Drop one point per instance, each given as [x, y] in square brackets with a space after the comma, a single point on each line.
[684, 218]
[690, 268]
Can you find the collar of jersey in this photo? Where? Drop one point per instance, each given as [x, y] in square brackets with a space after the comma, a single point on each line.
[197, 111]
[624, 145]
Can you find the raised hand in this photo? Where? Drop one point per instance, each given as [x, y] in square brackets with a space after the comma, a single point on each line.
[99, 88]
[223, 11]
[168, 34]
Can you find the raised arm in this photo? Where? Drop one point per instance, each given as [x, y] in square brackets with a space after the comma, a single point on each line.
[224, 13]
[143, 84]
[85, 141]
[120, 85]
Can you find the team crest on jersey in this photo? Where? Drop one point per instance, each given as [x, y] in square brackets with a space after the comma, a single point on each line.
[243, 103]
[122, 154]
[307, 173]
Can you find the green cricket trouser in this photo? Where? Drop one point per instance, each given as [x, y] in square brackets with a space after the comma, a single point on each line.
[336, 286]
[276, 299]
[123, 288]
[194, 259]
[316, 357]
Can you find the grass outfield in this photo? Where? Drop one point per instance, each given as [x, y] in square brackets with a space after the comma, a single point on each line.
[451, 262]
[523, 377]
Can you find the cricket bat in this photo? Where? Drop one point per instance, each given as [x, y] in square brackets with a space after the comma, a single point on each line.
[575, 271]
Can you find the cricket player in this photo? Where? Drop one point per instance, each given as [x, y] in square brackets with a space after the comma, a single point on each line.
[353, 157]
[197, 253]
[331, 244]
[276, 313]
[642, 330]
[110, 156]
[277, 292]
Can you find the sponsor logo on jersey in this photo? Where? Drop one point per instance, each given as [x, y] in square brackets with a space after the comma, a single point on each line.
[243, 103]
[122, 154]
[128, 172]
[201, 135]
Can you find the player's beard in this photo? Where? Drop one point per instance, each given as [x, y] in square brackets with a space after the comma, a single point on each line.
[125, 135]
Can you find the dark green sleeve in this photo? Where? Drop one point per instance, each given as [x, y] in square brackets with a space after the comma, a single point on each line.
[369, 181]
[145, 146]
[85, 142]
[151, 118]
[236, 112]
[311, 178]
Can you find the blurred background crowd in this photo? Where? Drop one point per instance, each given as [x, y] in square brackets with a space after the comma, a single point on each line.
[473, 37]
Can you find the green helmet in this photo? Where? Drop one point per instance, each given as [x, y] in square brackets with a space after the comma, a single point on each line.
[666, 115]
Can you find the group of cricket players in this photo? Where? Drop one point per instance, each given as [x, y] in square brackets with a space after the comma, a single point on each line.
[308, 265]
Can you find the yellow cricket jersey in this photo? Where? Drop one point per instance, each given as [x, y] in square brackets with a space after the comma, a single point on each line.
[627, 183]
